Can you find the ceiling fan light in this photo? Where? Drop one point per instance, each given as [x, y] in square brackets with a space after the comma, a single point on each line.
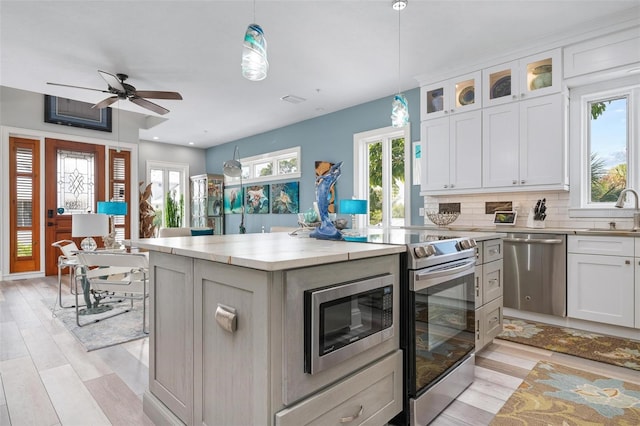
[254, 54]
[399, 111]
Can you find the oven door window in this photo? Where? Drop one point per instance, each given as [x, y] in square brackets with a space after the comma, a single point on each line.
[444, 328]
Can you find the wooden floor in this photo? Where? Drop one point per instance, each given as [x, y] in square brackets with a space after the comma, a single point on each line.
[47, 378]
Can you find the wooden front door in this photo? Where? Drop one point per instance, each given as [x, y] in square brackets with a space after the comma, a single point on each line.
[74, 183]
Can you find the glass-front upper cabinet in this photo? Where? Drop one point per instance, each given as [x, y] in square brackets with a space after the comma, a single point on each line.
[534, 75]
[452, 96]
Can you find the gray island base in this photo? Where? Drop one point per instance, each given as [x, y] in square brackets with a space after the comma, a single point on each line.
[227, 332]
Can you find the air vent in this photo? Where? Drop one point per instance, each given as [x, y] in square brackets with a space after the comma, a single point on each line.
[293, 99]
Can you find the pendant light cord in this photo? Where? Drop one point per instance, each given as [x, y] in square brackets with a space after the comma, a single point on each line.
[399, 10]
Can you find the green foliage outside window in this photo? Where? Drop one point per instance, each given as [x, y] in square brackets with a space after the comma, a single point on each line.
[606, 184]
[375, 178]
[173, 210]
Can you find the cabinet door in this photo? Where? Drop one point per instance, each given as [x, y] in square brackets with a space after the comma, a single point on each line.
[541, 74]
[231, 367]
[435, 154]
[500, 84]
[434, 100]
[637, 292]
[542, 154]
[466, 93]
[491, 321]
[601, 288]
[500, 147]
[171, 351]
[465, 138]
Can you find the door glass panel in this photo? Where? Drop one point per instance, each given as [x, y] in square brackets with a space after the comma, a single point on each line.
[75, 181]
[375, 183]
[397, 182]
[435, 100]
[500, 84]
[465, 93]
[539, 74]
[25, 244]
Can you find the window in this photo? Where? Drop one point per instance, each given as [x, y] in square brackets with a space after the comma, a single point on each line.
[169, 183]
[271, 166]
[604, 146]
[381, 169]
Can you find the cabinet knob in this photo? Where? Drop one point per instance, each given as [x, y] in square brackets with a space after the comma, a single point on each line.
[627, 262]
[452, 110]
[445, 186]
[451, 186]
[522, 182]
[514, 97]
[226, 318]
[515, 182]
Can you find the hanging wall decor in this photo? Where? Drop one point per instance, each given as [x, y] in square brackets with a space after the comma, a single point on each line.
[285, 197]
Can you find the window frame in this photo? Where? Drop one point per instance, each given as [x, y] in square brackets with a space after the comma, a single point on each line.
[249, 163]
[580, 98]
[361, 171]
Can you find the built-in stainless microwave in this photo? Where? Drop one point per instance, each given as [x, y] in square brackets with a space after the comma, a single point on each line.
[343, 320]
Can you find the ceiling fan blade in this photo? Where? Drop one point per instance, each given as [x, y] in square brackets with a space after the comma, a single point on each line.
[155, 94]
[148, 105]
[78, 87]
[106, 102]
[112, 81]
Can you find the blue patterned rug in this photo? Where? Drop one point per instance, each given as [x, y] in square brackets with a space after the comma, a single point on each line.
[554, 394]
[104, 331]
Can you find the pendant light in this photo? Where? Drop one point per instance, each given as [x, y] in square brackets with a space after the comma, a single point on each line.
[254, 52]
[399, 106]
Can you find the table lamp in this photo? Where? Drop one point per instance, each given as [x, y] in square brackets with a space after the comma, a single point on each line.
[353, 207]
[112, 208]
[87, 225]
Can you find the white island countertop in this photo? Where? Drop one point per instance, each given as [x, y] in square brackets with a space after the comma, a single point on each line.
[268, 252]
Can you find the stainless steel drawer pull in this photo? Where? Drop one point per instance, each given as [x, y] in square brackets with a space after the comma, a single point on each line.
[226, 318]
[352, 418]
[533, 240]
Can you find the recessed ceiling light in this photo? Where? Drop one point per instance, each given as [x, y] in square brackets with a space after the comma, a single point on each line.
[192, 143]
[155, 138]
[293, 99]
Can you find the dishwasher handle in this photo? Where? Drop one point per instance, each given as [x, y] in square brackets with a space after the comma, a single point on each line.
[533, 240]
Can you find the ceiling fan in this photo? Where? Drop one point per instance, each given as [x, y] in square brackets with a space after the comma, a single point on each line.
[121, 90]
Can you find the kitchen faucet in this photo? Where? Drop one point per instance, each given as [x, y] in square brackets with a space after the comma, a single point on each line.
[636, 213]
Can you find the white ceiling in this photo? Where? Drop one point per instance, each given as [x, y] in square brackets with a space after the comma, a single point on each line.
[335, 54]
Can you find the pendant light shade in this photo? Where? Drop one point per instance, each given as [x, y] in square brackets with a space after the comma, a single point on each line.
[254, 54]
[233, 168]
[399, 111]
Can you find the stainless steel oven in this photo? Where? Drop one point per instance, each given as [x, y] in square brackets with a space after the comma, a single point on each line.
[438, 324]
[344, 320]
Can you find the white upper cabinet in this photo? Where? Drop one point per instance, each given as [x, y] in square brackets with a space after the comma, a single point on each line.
[535, 75]
[452, 152]
[452, 96]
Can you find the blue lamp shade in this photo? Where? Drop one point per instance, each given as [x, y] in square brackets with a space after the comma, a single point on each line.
[353, 206]
[112, 208]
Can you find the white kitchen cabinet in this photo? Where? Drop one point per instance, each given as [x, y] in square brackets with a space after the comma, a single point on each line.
[536, 75]
[452, 149]
[524, 144]
[451, 96]
[601, 287]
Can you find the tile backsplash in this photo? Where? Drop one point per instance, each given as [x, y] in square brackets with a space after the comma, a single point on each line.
[474, 209]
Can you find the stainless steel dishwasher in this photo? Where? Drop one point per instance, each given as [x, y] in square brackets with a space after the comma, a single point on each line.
[535, 273]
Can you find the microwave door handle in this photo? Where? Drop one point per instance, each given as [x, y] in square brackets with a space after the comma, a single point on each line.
[452, 273]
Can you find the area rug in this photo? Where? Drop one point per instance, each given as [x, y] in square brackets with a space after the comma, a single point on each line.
[553, 394]
[106, 331]
[583, 344]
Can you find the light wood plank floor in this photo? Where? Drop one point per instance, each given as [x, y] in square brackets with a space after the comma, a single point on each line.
[47, 378]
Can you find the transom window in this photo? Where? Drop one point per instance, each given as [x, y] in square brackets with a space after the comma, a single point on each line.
[284, 164]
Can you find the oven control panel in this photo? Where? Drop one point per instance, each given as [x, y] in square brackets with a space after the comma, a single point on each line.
[429, 253]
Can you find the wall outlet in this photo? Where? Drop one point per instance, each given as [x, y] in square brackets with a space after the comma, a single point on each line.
[421, 211]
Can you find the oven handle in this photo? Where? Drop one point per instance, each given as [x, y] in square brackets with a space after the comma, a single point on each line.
[450, 274]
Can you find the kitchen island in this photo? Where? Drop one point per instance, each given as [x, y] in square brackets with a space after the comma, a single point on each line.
[226, 343]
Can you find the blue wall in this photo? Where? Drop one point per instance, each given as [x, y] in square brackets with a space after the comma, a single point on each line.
[325, 138]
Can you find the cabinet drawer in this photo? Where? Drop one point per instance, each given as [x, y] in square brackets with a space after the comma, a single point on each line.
[492, 277]
[600, 245]
[489, 320]
[492, 250]
[372, 395]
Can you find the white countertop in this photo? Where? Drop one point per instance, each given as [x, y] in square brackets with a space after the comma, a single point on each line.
[268, 252]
